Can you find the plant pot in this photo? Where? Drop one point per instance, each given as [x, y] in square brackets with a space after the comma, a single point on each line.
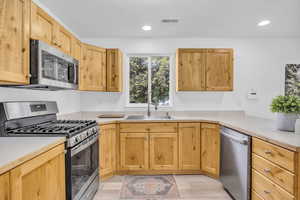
[286, 122]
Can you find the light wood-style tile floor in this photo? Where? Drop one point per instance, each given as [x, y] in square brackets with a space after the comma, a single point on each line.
[191, 187]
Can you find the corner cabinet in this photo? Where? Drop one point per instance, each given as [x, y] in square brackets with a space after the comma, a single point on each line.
[210, 149]
[92, 69]
[114, 71]
[43, 177]
[107, 150]
[204, 69]
[14, 41]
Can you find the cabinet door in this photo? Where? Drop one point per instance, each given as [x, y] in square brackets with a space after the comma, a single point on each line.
[43, 26]
[93, 68]
[14, 41]
[64, 39]
[107, 150]
[191, 69]
[114, 63]
[219, 70]
[210, 149]
[163, 151]
[76, 49]
[40, 178]
[134, 151]
[189, 146]
[4, 187]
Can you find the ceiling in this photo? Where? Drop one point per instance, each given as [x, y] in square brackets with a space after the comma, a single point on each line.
[197, 18]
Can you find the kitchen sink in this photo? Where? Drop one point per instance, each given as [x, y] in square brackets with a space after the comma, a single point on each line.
[144, 117]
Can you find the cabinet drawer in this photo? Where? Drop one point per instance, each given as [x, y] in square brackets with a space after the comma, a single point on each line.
[278, 175]
[148, 127]
[275, 154]
[267, 189]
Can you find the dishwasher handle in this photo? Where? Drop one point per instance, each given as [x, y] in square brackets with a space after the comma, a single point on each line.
[235, 139]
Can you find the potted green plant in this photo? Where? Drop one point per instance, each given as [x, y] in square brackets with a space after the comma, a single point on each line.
[287, 109]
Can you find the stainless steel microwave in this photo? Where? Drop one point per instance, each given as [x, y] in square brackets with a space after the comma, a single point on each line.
[50, 68]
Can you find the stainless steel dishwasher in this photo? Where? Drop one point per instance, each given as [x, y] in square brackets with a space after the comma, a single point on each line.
[236, 163]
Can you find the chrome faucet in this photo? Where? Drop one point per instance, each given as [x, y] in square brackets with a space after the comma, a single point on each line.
[149, 110]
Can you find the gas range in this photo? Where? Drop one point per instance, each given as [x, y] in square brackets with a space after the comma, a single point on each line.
[74, 130]
[31, 119]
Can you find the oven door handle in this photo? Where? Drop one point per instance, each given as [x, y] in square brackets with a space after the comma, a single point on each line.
[81, 147]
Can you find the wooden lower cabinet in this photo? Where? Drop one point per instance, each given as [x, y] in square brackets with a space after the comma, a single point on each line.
[4, 187]
[107, 150]
[210, 149]
[42, 178]
[134, 149]
[189, 146]
[163, 151]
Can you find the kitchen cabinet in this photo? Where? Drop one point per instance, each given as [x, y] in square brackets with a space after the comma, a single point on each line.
[76, 49]
[107, 150]
[134, 150]
[14, 43]
[43, 177]
[190, 69]
[210, 149]
[4, 187]
[275, 171]
[204, 69]
[163, 151]
[92, 69]
[189, 146]
[114, 61]
[43, 27]
[219, 70]
[64, 39]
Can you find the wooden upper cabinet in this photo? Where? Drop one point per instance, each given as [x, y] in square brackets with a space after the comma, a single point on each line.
[14, 41]
[43, 27]
[47, 29]
[64, 39]
[40, 178]
[76, 49]
[189, 146]
[163, 151]
[210, 149]
[114, 63]
[134, 151]
[204, 69]
[92, 69]
[107, 149]
[219, 70]
[4, 187]
[191, 69]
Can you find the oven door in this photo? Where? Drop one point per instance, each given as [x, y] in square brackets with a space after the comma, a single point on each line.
[83, 168]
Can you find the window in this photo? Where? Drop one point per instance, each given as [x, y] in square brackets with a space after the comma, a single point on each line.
[149, 77]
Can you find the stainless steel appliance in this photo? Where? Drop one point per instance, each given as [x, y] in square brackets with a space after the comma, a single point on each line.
[82, 146]
[235, 163]
[50, 68]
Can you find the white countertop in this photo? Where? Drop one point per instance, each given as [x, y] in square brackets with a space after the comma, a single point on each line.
[254, 126]
[16, 150]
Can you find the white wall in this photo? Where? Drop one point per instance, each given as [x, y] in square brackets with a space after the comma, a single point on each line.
[259, 64]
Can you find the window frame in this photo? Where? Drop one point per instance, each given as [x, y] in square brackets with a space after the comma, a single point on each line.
[127, 80]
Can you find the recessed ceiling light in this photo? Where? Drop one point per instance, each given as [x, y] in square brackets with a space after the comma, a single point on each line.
[264, 23]
[147, 28]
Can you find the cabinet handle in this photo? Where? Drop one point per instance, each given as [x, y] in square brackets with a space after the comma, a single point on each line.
[147, 129]
[268, 152]
[267, 170]
[267, 192]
